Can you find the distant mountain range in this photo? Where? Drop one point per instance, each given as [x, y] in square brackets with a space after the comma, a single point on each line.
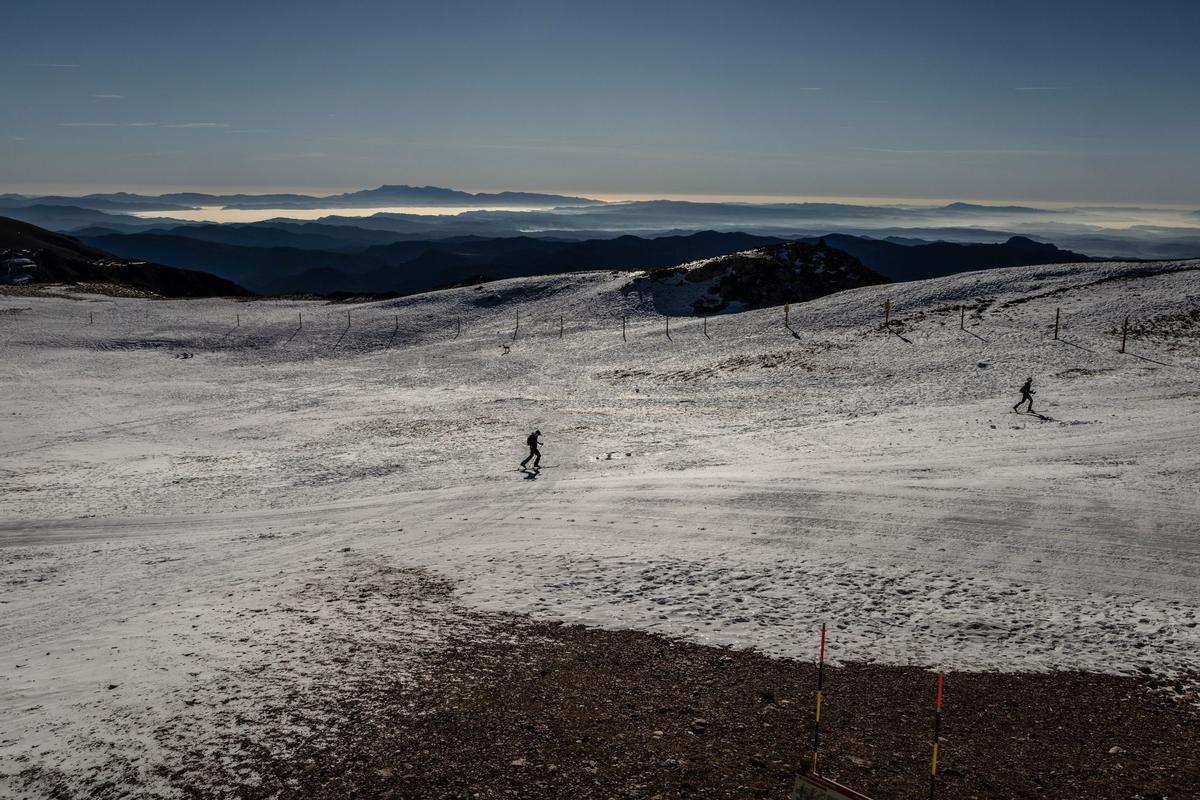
[910, 262]
[1100, 231]
[321, 259]
[408, 267]
[317, 258]
[382, 197]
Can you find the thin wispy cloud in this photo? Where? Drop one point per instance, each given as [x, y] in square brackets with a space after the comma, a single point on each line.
[989, 152]
[52, 66]
[892, 150]
[1036, 88]
[108, 96]
[290, 156]
[252, 130]
[107, 124]
[199, 125]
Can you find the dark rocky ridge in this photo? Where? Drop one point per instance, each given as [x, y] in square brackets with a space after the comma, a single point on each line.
[766, 276]
[57, 258]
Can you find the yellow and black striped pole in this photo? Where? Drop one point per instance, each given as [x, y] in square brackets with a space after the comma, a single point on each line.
[937, 732]
[820, 686]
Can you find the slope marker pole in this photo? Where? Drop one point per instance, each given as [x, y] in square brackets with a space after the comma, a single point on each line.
[706, 336]
[457, 326]
[962, 319]
[347, 319]
[820, 686]
[238, 322]
[300, 314]
[623, 339]
[1124, 332]
[668, 318]
[1057, 311]
[91, 319]
[937, 732]
[787, 308]
[560, 326]
[518, 325]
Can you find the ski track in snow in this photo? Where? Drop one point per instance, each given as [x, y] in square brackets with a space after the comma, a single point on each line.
[194, 545]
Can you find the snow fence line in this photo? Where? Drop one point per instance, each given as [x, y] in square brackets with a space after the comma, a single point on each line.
[889, 325]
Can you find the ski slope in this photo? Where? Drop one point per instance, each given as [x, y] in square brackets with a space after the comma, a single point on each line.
[247, 521]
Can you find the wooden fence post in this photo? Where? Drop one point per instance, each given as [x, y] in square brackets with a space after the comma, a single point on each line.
[1057, 311]
[91, 319]
[623, 339]
[668, 318]
[560, 326]
[887, 311]
[518, 325]
[962, 319]
[1124, 332]
[347, 319]
[457, 326]
[238, 323]
[300, 314]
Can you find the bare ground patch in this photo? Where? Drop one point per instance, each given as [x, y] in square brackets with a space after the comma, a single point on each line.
[547, 711]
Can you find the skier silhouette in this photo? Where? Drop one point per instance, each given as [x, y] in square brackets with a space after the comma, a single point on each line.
[1027, 394]
[534, 453]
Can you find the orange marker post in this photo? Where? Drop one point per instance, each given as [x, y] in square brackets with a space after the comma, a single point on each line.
[820, 686]
[937, 731]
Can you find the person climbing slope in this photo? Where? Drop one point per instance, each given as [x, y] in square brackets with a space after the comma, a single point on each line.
[534, 452]
[1027, 394]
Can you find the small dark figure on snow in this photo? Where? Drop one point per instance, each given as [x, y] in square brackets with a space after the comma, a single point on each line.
[534, 453]
[1027, 394]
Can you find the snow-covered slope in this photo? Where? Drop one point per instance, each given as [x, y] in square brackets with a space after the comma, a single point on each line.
[181, 486]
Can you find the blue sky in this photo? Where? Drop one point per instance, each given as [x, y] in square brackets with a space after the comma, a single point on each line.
[1055, 100]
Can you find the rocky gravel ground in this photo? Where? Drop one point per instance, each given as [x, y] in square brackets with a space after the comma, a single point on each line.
[544, 710]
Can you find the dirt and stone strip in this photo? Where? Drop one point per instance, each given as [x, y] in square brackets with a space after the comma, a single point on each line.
[549, 711]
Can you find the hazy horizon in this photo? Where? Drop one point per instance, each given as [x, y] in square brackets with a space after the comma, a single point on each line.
[1040, 103]
[80, 190]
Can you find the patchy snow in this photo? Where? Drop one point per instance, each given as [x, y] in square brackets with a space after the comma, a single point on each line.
[174, 531]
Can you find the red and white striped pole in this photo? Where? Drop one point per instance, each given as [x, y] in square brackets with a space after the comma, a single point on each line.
[937, 730]
[820, 686]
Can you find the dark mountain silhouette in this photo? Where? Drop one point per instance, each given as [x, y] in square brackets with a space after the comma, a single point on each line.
[900, 262]
[301, 237]
[262, 269]
[419, 266]
[411, 266]
[313, 257]
[58, 258]
[117, 201]
[70, 218]
[975, 208]
[401, 195]
[394, 195]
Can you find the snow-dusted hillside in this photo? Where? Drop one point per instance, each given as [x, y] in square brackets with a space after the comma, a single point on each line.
[253, 514]
[752, 279]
